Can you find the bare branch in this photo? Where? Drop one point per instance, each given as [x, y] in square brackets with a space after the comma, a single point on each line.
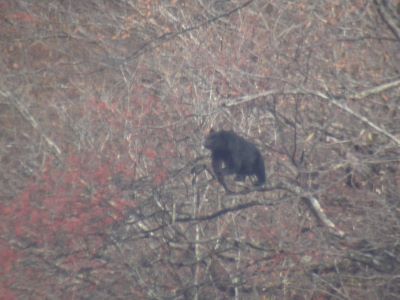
[28, 116]
[314, 203]
[375, 90]
[315, 206]
[388, 17]
[338, 102]
[154, 43]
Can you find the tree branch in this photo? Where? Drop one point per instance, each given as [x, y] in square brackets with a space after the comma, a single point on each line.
[154, 43]
[340, 103]
[337, 101]
[388, 17]
[375, 90]
[28, 116]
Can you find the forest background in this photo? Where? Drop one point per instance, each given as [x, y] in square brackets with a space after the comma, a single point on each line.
[106, 190]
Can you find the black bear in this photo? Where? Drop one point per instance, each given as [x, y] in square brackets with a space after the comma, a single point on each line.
[232, 154]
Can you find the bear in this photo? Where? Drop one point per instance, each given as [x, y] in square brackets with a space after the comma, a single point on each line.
[233, 154]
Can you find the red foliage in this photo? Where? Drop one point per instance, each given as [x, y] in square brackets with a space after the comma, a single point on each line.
[6, 293]
[160, 177]
[8, 257]
[22, 17]
[123, 169]
[102, 174]
[150, 153]
[73, 203]
[4, 6]
[120, 205]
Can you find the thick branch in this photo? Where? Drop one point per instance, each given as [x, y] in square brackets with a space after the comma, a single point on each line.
[222, 212]
[339, 102]
[317, 209]
[375, 90]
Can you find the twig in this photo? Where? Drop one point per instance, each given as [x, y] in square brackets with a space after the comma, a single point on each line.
[375, 90]
[28, 116]
[315, 206]
[337, 101]
[390, 20]
[342, 105]
[154, 43]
